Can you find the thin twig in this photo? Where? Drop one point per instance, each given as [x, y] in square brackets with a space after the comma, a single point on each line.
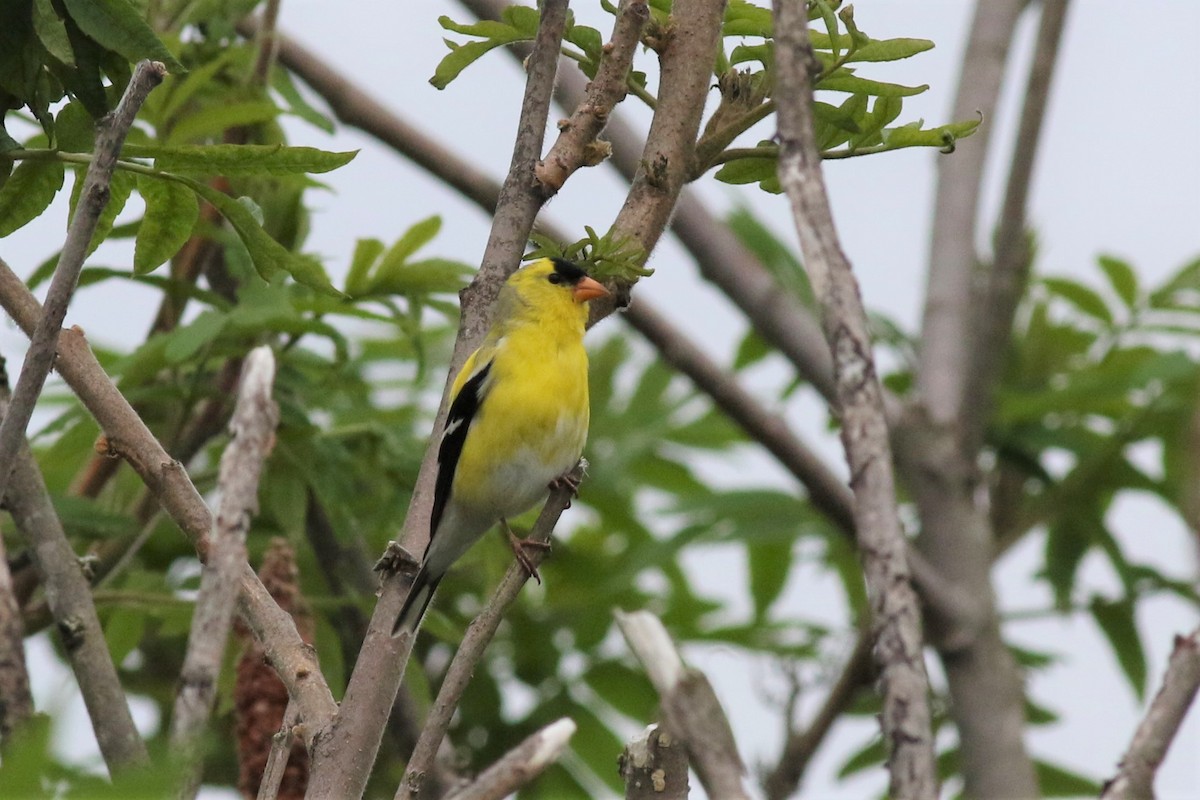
[110, 135]
[70, 599]
[996, 304]
[521, 765]
[691, 710]
[470, 651]
[342, 761]
[577, 144]
[801, 745]
[1135, 777]
[895, 610]
[277, 758]
[253, 427]
[129, 437]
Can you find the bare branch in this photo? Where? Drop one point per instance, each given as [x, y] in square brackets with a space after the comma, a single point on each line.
[128, 436]
[801, 745]
[342, 761]
[520, 765]
[996, 304]
[110, 135]
[946, 328]
[896, 614]
[277, 758]
[937, 442]
[253, 427]
[16, 702]
[577, 145]
[826, 490]
[70, 599]
[691, 710]
[1135, 778]
[654, 766]
[478, 636]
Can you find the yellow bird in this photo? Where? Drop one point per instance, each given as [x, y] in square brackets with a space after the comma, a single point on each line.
[518, 419]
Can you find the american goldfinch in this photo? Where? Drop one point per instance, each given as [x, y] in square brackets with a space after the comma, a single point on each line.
[518, 419]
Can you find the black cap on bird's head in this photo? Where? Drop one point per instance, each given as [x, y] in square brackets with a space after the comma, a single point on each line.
[584, 288]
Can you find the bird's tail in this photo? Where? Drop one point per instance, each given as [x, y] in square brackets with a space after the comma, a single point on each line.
[419, 595]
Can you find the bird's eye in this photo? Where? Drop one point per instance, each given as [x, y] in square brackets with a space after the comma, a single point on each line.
[555, 278]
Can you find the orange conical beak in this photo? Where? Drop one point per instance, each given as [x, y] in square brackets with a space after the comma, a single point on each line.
[587, 289]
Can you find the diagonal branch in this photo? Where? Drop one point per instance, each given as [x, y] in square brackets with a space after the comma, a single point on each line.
[896, 615]
[520, 765]
[253, 426]
[129, 437]
[70, 599]
[1135, 778]
[110, 135]
[478, 636]
[342, 760]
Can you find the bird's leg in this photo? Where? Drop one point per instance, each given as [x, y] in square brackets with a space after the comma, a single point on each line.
[519, 546]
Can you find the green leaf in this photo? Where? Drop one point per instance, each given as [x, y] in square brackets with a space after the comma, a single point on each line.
[743, 18]
[844, 81]
[434, 275]
[215, 120]
[624, 688]
[235, 160]
[27, 193]
[171, 213]
[52, 33]
[514, 28]
[123, 632]
[747, 170]
[1080, 296]
[74, 129]
[831, 26]
[869, 755]
[1055, 781]
[269, 256]
[185, 342]
[1119, 625]
[752, 349]
[413, 239]
[366, 253]
[1122, 278]
[297, 104]
[118, 26]
[770, 563]
[890, 49]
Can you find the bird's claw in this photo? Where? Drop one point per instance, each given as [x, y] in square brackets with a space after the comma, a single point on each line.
[568, 480]
[520, 546]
